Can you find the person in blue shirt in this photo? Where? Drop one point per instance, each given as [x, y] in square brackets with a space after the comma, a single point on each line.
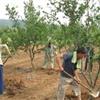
[70, 66]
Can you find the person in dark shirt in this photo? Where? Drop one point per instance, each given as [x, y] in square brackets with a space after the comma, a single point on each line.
[69, 65]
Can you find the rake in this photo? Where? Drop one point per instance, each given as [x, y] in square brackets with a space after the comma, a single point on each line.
[93, 93]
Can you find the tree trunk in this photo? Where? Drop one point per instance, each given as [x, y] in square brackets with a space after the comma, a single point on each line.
[31, 57]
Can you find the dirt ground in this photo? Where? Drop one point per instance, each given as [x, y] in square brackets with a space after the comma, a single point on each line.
[24, 83]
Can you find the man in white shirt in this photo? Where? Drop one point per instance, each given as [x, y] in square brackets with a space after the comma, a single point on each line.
[1, 65]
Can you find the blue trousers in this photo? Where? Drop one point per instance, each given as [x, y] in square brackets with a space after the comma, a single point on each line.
[1, 80]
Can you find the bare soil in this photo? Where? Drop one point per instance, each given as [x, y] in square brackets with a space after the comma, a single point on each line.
[22, 82]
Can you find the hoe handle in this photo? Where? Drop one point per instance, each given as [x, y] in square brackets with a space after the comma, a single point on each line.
[78, 81]
[94, 94]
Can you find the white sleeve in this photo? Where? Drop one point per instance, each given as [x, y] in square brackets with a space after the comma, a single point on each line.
[5, 46]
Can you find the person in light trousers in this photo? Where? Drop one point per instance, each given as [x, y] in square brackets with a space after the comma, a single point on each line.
[71, 62]
[49, 56]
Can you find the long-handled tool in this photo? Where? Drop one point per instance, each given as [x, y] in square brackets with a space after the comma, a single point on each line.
[6, 59]
[92, 93]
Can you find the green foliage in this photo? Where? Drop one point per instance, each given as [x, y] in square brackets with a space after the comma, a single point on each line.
[71, 9]
[13, 14]
[33, 24]
[10, 37]
[36, 31]
[74, 33]
[95, 35]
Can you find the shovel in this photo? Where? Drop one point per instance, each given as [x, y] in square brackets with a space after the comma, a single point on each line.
[92, 93]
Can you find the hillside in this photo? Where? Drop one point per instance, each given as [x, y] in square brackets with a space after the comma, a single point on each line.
[8, 23]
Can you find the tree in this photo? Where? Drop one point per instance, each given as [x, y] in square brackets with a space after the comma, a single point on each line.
[71, 9]
[34, 27]
[29, 36]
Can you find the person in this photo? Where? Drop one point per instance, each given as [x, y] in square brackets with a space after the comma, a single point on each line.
[71, 65]
[49, 56]
[1, 65]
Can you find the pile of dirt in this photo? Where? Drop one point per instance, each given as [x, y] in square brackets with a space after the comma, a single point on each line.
[14, 86]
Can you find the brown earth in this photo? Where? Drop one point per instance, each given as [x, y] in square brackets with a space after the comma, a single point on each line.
[24, 83]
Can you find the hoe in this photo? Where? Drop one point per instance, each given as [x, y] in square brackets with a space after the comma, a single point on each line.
[93, 93]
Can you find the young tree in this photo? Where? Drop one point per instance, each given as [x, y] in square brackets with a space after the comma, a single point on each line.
[31, 34]
[34, 26]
